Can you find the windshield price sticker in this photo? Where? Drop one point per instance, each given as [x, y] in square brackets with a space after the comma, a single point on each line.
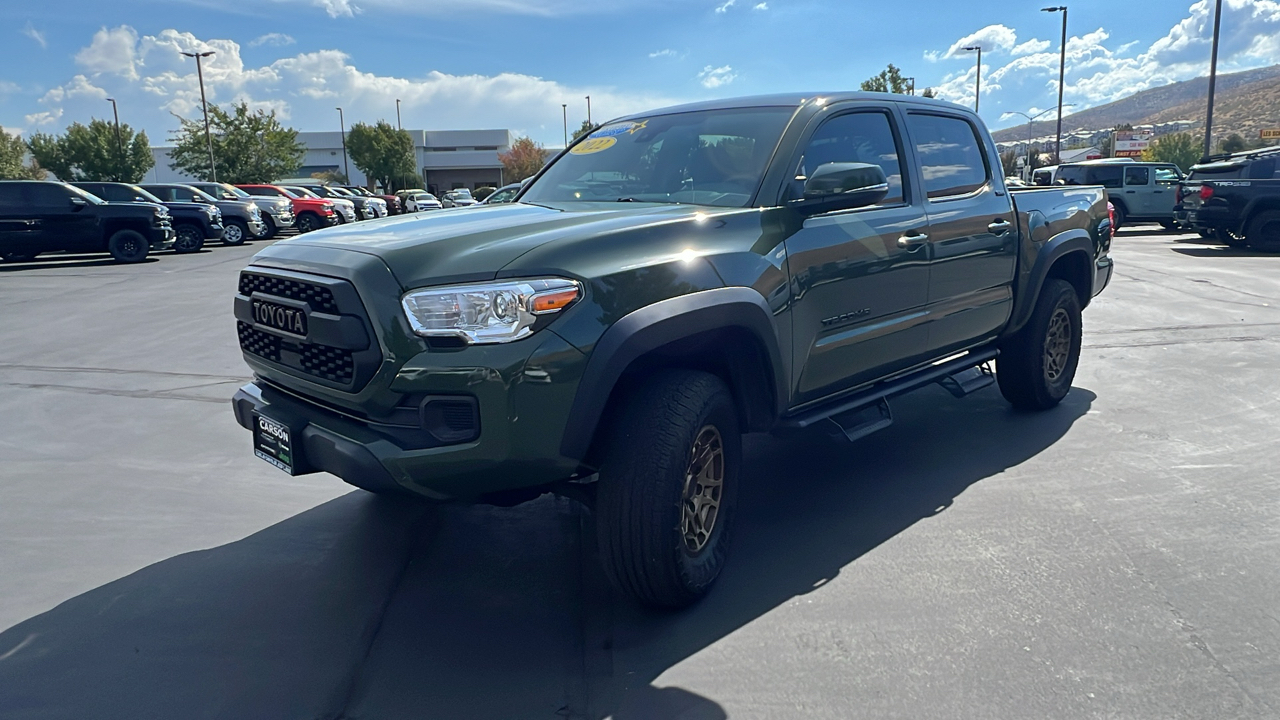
[593, 145]
[606, 137]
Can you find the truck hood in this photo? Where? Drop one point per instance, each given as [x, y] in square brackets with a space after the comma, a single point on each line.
[445, 247]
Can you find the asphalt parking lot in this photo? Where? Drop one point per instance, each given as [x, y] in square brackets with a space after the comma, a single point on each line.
[1116, 557]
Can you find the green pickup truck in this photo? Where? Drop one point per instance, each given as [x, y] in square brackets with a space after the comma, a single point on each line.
[669, 282]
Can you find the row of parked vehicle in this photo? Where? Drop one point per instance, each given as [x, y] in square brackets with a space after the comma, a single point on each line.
[419, 200]
[131, 220]
[1233, 199]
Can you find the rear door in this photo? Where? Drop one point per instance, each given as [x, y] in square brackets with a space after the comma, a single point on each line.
[20, 229]
[1137, 191]
[1164, 193]
[859, 289]
[973, 235]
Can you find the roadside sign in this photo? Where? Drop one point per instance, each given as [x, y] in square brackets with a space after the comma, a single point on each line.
[1271, 134]
[1131, 144]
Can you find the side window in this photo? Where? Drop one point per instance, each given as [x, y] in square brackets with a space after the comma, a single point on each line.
[163, 193]
[47, 196]
[1137, 176]
[951, 155]
[183, 195]
[1108, 176]
[1167, 176]
[860, 137]
[10, 196]
[1263, 169]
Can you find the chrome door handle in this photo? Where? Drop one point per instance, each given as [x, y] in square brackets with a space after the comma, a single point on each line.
[907, 241]
[999, 227]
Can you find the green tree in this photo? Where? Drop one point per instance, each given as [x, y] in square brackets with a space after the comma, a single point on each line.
[248, 146]
[889, 80]
[1234, 144]
[583, 129]
[525, 158]
[13, 150]
[382, 153]
[1181, 149]
[94, 153]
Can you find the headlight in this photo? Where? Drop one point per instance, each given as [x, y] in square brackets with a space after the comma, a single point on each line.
[496, 312]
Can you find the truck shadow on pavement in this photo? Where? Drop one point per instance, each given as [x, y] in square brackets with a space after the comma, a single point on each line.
[371, 608]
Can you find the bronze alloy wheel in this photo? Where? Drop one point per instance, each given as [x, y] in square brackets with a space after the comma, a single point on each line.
[1057, 345]
[703, 488]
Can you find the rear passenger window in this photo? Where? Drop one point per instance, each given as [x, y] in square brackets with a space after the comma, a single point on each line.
[48, 196]
[1264, 169]
[863, 137]
[1167, 176]
[1107, 176]
[10, 196]
[1137, 176]
[951, 156]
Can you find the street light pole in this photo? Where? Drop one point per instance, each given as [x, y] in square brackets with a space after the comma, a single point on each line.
[213, 170]
[119, 144]
[1213, 80]
[564, 108]
[398, 125]
[912, 80]
[589, 111]
[1031, 119]
[342, 124]
[1062, 77]
[977, 88]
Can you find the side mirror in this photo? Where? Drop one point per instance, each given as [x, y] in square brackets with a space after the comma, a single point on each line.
[78, 203]
[842, 186]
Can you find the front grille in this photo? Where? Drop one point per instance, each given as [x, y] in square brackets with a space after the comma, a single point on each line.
[262, 344]
[329, 363]
[318, 297]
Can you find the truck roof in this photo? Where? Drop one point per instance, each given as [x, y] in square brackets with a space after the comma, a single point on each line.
[797, 100]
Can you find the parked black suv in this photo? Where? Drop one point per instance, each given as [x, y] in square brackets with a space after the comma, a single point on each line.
[193, 223]
[1234, 199]
[241, 219]
[38, 217]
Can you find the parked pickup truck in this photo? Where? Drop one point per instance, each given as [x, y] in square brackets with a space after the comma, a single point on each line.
[38, 217]
[241, 219]
[193, 222]
[671, 281]
[1235, 199]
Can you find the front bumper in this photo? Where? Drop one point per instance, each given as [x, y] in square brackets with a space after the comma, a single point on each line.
[214, 231]
[283, 219]
[161, 237]
[257, 227]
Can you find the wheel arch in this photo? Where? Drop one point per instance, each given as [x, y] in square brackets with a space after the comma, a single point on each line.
[1067, 256]
[728, 332]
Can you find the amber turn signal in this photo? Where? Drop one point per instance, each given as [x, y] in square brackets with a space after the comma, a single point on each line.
[549, 302]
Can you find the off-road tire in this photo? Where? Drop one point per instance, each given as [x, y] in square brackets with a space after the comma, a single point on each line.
[187, 238]
[1264, 231]
[241, 228]
[308, 222]
[128, 246]
[1035, 368]
[644, 488]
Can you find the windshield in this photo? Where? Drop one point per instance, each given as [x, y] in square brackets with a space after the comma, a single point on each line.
[88, 196]
[710, 157]
[341, 192]
[202, 196]
[1221, 172]
[234, 190]
[302, 193]
[143, 195]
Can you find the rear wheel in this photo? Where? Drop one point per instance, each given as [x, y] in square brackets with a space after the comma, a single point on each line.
[1264, 231]
[1121, 214]
[188, 238]
[128, 246]
[235, 232]
[1169, 225]
[307, 222]
[1228, 238]
[667, 487]
[1036, 366]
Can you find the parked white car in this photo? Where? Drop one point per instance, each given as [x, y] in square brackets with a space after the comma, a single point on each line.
[420, 202]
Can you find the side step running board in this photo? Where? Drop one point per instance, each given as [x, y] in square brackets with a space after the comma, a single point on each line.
[854, 424]
[877, 394]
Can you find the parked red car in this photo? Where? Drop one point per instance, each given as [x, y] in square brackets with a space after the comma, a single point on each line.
[310, 213]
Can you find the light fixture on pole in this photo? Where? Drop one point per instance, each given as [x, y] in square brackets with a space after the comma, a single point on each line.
[119, 144]
[342, 123]
[1030, 130]
[1213, 80]
[213, 171]
[1062, 77]
[564, 108]
[589, 111]
[977, 87]
[398, 125]
[912, 90]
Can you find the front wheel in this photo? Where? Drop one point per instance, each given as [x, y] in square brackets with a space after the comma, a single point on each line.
[1036, 366]
[270, 227]
[307, 222]
[188, 239]
[665, 500]
[128, 246]
[235, 232]
[1121, 214]
[1264, 231]
[1228, 238]
[1169, 225]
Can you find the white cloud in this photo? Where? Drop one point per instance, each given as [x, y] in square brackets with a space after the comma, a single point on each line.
[44, 117]
[272, 39]
[722, 9]
[714, 77]
[663, 53]
[932, 55]
[31, 32]
[337, 8]
[112, 51]
[760, 6]
[1030, 46]
[990, 38]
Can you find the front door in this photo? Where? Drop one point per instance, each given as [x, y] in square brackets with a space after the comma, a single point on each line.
[64, 225]
[860, 277]
[1137, 191]
[973, 234]
[1164, 193]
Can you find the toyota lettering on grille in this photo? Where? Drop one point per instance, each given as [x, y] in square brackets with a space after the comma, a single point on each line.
[288, 319]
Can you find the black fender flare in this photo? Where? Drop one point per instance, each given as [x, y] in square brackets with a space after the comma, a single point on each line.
[1059, 246]
[660, 324]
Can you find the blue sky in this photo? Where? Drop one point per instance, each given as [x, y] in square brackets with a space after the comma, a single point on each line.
[511, 63]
